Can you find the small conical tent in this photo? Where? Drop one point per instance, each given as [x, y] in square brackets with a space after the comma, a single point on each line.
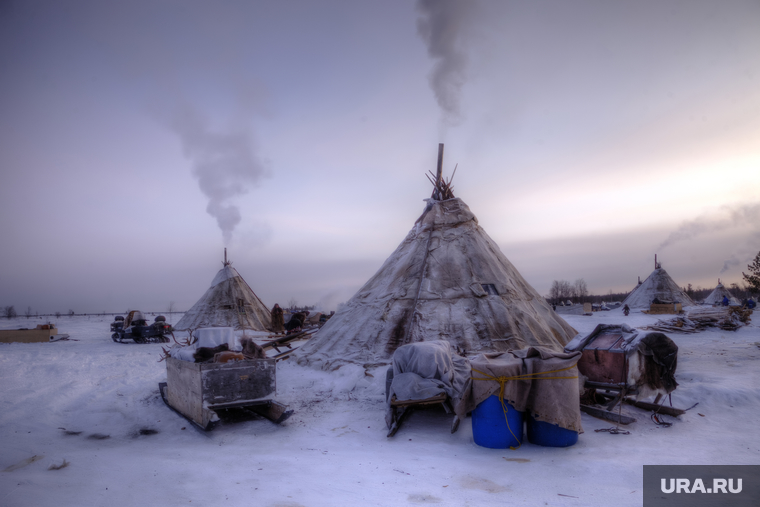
[659, 286]
[716, 296]
[447, 280]
[229, 302]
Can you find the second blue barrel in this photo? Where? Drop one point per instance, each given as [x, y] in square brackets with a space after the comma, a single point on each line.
[549, 435]
[490, 428]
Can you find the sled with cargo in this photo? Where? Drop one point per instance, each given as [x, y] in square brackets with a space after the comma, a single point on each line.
[206, 393]
[622, 365]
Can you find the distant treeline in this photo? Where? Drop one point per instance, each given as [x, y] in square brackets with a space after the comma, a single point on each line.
[9, 312]
[576, 292]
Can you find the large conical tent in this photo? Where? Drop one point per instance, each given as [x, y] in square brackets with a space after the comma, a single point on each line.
[635, 288]
[716, 296]
[659, 286]
[229, 302]
[447, 280]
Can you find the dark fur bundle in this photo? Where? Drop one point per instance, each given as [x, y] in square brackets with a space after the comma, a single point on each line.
[660, 372]
[204, 354]
[252, 350]
[295, 322]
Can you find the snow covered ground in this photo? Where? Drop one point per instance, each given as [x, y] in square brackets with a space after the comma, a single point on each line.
[94, 404]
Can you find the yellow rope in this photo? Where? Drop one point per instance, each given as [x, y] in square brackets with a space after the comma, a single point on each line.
[527, 376]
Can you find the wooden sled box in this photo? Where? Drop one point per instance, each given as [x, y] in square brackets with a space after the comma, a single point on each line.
[665, 308]
[198, 390]
[41, 334]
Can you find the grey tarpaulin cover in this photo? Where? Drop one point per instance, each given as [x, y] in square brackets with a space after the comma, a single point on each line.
[426, 369]
[554, 399]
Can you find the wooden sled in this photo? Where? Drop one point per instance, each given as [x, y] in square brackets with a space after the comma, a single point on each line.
[400, 410]
[204, 393]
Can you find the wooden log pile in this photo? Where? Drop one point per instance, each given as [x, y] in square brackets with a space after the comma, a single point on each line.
[728, 318]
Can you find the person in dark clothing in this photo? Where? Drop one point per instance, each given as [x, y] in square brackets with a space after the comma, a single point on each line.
[278, 320]
[626, 310]
[295, 323]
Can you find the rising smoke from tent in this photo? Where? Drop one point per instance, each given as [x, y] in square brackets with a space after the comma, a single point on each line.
[225, 162]
[729, 263]
[746, 215]
[441, 26]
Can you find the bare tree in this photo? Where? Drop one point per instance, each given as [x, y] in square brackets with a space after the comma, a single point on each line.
[581, 289]
[28, 312]
[58, 315]
[560, 290]
[71, 313]
[9, 312]
[554, 291]
[573, 292]
[292, 302]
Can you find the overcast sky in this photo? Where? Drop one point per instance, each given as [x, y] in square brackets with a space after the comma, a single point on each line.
[138, 139]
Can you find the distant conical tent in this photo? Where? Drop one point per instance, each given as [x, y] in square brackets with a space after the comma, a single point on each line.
[229, 302]
[716, 296]
[447, 280]
[659, 286]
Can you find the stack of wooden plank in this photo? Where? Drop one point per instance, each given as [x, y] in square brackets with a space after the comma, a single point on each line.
[285, 341]
[696, 319]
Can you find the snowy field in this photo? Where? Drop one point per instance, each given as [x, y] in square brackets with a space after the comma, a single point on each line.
[94, 404]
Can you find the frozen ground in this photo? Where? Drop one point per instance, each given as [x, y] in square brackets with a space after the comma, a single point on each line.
[333, 450]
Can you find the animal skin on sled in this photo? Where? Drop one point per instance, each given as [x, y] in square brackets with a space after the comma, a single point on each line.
[645, 363]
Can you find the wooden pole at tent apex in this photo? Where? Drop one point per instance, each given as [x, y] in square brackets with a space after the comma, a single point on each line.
[439, 173]
[226, 262]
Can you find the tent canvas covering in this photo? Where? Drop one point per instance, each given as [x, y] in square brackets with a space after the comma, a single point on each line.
[657, 285]
[229, 302]
[716, 296]
[448, 280]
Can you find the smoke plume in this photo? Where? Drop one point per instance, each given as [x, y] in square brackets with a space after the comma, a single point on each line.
[225, 163]
[747, 215]
[729, 263]
[441, 27]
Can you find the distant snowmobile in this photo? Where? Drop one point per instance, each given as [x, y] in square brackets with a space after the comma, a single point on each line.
[136, 328]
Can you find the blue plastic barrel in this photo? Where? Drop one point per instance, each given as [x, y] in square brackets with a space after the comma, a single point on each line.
[489, 426]
[550, 435]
